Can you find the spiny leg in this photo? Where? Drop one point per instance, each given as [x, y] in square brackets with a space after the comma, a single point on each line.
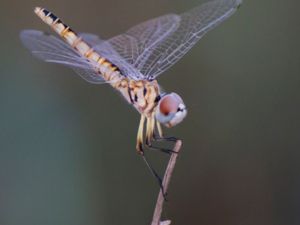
[139, 148]
[154, 173]
[159, 129]
[151, 135]
[169, 139]
[150, 129]
[160, 136]
[164, 139]
[139, 140]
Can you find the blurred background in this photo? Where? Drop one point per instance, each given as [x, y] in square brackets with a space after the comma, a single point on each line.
[67, 147]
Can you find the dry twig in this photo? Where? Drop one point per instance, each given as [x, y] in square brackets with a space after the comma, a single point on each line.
[165, 183]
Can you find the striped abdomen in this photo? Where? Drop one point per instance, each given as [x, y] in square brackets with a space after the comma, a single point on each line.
[141, 94]
[107, 70]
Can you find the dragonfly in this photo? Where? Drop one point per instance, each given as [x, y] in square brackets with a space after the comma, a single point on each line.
[132, 61]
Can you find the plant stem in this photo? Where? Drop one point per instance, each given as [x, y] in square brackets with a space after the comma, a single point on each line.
[167, 177]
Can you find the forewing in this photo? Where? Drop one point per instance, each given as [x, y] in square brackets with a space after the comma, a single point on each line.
[193, 25]
[144, 51]
[107, 51]
[132, 49]
[155, 45]
[51, 49]
[91, 39]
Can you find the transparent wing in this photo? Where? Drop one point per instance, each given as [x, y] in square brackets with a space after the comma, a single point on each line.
[155, 45]
[193, 25]
[109, 52]
[131, 49]
[51, 49]
[106, 50]
[91, 39]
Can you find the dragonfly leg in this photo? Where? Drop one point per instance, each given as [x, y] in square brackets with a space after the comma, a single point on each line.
[140, 150]
[160, 136]
[150, 129]
[159, 129]
[139, 141]
[154, 173]
[153, 137]
[164, 150]
[169, 139]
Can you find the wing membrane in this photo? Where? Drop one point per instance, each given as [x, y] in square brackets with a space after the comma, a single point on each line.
[129, 51]
[91, 39]
[155, 45]
[137, 43]
[144, 51]
[194, 25]
[109, 52]
[51, 49]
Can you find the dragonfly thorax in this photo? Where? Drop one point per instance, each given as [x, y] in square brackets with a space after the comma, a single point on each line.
[145, 96]
[142, 94]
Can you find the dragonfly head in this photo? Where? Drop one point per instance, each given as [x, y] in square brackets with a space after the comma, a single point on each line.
[170, 110]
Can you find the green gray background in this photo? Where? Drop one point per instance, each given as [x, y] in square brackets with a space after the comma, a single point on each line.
[67, 148]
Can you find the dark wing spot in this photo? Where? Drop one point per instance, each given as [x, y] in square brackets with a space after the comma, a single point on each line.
[135, 98]
[145, 91]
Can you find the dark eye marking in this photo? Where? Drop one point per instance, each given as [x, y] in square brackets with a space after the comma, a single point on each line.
[135, 98]
[151, 78]
[145, 91]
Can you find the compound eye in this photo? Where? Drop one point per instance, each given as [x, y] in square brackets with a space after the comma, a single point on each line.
[168, 104]
[170, 110]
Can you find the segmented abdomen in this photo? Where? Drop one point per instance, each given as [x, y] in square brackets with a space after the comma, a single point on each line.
[141, 94]
[107, 70]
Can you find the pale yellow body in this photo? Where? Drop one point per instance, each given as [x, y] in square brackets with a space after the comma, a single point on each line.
[142, 94]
